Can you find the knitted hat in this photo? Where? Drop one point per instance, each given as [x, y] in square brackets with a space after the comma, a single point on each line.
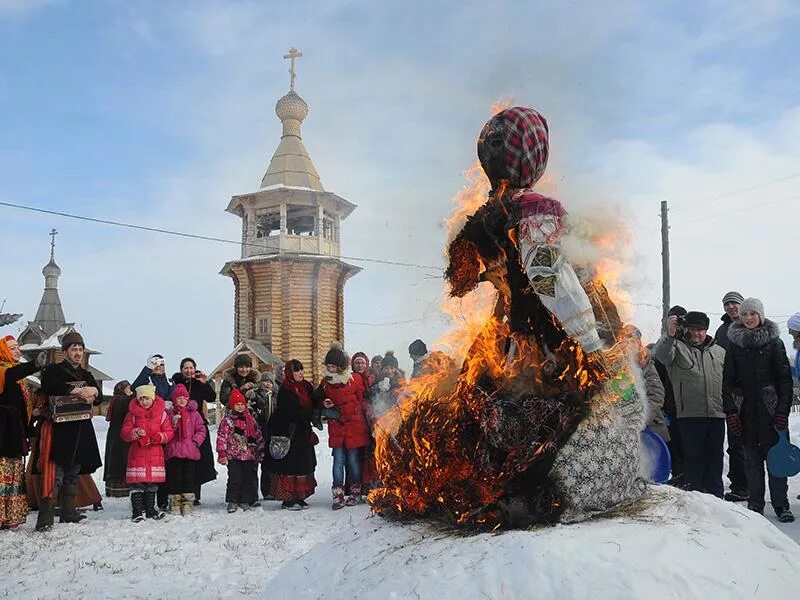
[268, 376]
[677, 311]
[180, 391]
[70, 339]
[793, 324]
[753, 305]
[235, 398]
[336, 356]
[389, 360]
[377, 358]
[359, 355]
[243, 360]
[146, 391]
[696, 319]
[417, 348]
[732, 297]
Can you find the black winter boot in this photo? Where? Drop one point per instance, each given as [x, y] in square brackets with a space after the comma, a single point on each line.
[69, 493]
[137, 506]
[44, 522]
[150, 509]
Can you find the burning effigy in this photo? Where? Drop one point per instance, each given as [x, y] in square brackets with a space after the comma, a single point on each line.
[541, 423]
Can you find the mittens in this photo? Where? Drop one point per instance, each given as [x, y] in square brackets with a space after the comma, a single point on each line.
[781, 421]
[734, 423]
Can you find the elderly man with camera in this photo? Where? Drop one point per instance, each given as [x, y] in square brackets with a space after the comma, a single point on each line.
[695, 362]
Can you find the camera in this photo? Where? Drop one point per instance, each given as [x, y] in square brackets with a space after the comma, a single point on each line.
[680, 327]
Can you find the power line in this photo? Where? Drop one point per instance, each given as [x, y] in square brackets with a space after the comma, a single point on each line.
[728, 194]
[200, 237]
[738, 210]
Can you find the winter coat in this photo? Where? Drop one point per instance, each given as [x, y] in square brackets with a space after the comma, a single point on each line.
[262, 406]
[233, 442]
[146, 455]
[757, 365]
[382, 401]
[190, 431]
[15, 428]
[696, 376]
[291, 416]
[231, 380]
[74, 442]
[116, 460]
[669, 409]
[163, 385]
[350, 429]
[655, 399]
[203, 394]
[721, 335]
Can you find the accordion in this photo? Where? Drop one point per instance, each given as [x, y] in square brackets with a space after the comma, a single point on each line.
[69, 408]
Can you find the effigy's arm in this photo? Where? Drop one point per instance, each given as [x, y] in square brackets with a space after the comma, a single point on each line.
[554, 281]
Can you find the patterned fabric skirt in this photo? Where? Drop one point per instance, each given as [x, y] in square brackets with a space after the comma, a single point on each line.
[117, 489]
[13, 504]
[292, 487]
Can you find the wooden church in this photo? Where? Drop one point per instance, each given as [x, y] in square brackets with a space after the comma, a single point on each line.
[289, 282]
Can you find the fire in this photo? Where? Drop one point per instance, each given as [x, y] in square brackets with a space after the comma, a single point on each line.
[473, 429]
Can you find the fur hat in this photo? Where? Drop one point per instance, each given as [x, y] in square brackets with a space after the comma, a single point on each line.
[243, 360]
[696, 319]
[417, 348]
[180, 391]
[732, 297]
[753, 305]
[336, 356]
[794, 322]
[235, 398]
[389, 360]
[146, 391]
[70, 339]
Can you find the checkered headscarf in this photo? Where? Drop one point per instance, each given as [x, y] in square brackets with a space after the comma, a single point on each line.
[513, 145]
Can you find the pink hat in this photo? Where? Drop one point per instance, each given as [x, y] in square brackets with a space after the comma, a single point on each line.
[180, 391]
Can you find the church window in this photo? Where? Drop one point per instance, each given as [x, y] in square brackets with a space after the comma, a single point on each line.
[265, 326]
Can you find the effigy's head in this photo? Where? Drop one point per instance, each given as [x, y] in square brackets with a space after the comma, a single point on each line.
[513, 146]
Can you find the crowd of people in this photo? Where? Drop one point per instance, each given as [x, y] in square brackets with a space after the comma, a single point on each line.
[159, 452]
[739, 379]
[158, 448]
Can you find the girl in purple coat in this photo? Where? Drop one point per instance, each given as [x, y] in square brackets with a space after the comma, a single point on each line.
[240, 446]
[183, 451]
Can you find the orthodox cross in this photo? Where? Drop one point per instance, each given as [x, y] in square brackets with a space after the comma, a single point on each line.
[293, 54]
[53, 234]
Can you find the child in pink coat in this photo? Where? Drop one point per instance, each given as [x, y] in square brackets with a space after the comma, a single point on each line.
[183, 450]
[147, 428]
[240, 446]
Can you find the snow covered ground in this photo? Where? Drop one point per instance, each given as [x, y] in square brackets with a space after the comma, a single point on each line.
[683, 545]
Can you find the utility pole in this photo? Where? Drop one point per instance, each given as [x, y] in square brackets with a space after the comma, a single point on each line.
[664, 262]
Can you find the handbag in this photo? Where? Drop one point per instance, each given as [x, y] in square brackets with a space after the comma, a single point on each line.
[279, 444]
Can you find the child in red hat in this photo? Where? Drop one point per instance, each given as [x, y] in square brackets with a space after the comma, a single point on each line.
[240, 446]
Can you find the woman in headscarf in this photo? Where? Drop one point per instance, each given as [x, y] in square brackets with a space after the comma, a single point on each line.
[116, 460]
[292, 477]
[15, 432]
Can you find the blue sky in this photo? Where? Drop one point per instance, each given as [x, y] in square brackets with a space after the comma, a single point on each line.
[158, 112]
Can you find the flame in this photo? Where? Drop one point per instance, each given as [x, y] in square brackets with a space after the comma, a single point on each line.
[437, 451]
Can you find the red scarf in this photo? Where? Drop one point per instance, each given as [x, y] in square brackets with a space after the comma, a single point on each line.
[301, 389]
[244, 421]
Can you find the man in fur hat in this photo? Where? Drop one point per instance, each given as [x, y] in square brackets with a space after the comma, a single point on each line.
[66, 450]
[695, 366]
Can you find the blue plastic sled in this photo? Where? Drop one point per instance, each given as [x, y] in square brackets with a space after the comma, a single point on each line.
[783, 459]
[656, 450]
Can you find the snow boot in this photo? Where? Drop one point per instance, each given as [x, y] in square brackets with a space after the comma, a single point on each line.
[44, 522]
[175, 504]
[736, 495]
[69, 494]
[784, 515]
[97, 506]
[302, 504]
[337, 492]
[291, 505]
[137, 506]
[187, 501]
[355, 495]
[232, 507]
[244, 506]
[150, 510]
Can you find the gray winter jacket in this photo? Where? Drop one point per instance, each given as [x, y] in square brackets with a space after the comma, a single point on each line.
[696, 376]
[655, 397]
